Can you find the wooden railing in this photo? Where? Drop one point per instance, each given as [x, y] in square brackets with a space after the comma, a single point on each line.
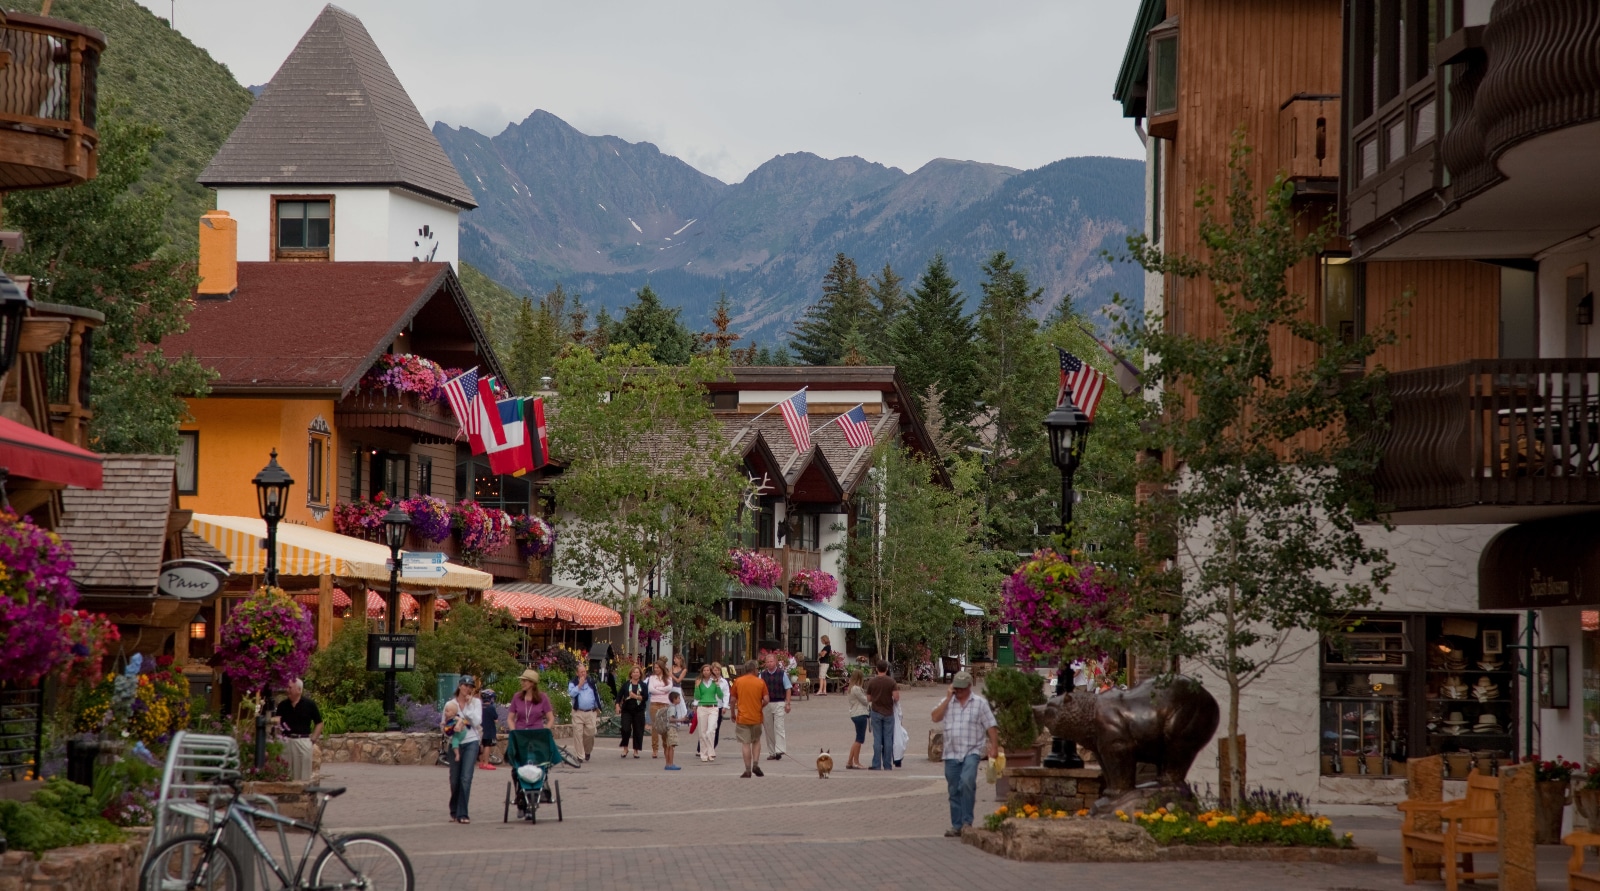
[1509, 432]
[793, 560]
[49, 72]
[389, 410]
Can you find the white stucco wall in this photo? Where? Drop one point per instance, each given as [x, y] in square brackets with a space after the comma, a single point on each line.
[1555, 317]
[369, 223]
[833, 561]
[1436, 570]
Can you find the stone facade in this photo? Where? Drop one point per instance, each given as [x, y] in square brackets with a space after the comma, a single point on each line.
[83, 868]
[1069, 790]
[292, 800]
[395, 748]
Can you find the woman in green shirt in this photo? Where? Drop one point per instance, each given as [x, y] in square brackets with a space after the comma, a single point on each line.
[707, 693]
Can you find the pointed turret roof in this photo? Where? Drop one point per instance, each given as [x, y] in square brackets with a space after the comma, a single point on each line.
[336, 114]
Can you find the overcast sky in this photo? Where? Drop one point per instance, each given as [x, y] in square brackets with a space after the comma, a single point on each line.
[727, 85]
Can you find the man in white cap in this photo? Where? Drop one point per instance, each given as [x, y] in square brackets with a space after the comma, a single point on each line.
[969, 729]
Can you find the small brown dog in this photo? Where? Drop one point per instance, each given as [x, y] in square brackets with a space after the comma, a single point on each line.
[824, 764]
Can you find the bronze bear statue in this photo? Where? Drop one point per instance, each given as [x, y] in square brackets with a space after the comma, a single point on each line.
[1162, 722]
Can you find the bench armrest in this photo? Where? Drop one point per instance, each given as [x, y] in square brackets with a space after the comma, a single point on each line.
[1581, 839]
[1413, 805]
[1454, 815]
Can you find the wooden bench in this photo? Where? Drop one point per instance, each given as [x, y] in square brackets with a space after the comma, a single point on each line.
[1577, 879]
[1468, 826]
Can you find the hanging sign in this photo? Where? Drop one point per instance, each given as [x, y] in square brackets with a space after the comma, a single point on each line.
[190, 579]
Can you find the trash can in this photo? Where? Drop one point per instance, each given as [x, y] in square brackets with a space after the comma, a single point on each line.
[447, 688]
[1003, 653]
[80, 761]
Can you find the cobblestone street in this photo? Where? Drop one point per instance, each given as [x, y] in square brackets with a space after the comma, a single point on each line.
[704, 827]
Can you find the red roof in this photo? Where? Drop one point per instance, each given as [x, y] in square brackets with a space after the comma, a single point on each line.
[321, 325]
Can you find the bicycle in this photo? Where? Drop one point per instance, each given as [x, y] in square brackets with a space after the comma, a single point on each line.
[360, 861]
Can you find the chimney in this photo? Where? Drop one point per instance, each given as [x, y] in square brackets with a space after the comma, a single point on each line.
[219, 256]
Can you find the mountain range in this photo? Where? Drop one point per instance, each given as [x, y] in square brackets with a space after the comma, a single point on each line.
[604, 216]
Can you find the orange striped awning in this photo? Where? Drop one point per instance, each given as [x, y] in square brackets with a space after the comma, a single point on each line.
[530, 607]
[375, 602]
[590, 615]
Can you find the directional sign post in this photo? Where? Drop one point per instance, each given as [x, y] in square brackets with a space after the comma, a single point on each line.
[422, 565]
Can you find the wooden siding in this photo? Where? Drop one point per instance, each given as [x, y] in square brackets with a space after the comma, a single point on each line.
[1453, 313]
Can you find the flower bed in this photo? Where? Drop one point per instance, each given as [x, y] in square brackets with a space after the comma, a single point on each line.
[1212, 827]
[147, 704]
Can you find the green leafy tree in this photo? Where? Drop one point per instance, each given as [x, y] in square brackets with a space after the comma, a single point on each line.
[1276, 456]
[650, 324]
[650, 483]
[472, 638]
[933, 345]
[918, 544]
[1018, 376]
[101, 246]
[839, 320]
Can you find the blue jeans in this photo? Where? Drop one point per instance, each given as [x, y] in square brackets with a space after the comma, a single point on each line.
[461, 769]
[962, 778]
[882, 741]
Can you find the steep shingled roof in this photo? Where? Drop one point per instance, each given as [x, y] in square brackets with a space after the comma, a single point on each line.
[333, 114]
[117, 533]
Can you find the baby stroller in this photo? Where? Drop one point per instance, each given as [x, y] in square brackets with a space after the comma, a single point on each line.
[531, 754]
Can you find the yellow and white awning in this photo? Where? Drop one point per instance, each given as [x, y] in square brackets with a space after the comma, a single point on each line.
[305, 551]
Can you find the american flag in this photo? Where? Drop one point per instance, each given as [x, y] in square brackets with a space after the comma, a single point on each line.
[461, 390]
[1081, 380]
[794, 417]
[856, 431]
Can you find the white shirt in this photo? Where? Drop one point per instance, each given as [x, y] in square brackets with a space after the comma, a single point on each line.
[472, 712]
[966, 727]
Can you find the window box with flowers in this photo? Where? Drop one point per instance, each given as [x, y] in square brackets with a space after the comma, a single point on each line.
[814, 584]
[406, 373]
[479, 530]
[535, 537]
[754, 569]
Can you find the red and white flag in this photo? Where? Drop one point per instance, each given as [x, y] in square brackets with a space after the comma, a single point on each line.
[491, 434]
[543, 457]
[794, 417]
[856, 431]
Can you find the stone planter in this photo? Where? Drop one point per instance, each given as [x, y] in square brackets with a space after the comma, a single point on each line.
[1065, 788]
[380, 748]
[1587, 801]
[292, 799]
[1550, 802]
[82, 868]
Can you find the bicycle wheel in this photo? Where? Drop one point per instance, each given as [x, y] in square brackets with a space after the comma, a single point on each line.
[362, 860]
[187, 863]
[570, 759]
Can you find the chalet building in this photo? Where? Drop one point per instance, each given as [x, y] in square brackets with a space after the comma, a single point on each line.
[1368, 110]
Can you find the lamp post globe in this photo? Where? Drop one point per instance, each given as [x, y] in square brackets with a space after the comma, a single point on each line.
[396, 523]
[13, 306]
[1067, 428]
[272, 498]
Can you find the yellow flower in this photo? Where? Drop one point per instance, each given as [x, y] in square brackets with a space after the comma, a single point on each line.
[1349, 835]
[1170, 818]
[1186, 830]
[1211, 824]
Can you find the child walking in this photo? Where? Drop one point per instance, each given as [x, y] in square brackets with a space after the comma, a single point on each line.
[667, 721]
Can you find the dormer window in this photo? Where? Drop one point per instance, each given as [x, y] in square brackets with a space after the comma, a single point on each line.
[302, 227]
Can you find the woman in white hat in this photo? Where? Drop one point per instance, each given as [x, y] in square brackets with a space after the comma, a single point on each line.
[530, 708]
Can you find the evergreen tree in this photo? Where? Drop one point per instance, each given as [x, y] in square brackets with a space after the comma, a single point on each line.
[537, 338]
[578, 323]
[846, 305]
[648, 323]
[932, 344]
[720, 339]
[101, 246]
[1018, 378]
[888, 302]
[604, 326]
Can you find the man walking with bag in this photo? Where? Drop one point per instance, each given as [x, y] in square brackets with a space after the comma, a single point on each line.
[969, 729]
[585, 697]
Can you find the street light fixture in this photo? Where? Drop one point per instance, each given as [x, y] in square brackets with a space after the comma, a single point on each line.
[396, 523]
[272, 497]
[13, 306]
[1068, 429]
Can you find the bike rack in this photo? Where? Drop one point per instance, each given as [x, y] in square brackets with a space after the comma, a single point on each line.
[191, 790]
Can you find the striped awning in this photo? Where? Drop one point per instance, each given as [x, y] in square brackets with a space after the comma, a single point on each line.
[375, 602]
[305, 551]
[528, 606]
[839, 618]
[967, 609]
[590, 615]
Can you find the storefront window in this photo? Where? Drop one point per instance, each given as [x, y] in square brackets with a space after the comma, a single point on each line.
[1591, 687]
[1365, 702]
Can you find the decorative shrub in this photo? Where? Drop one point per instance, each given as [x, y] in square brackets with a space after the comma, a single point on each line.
[35, 590]
[60, 814]
[406, 373]
[482, 530]
[417, 717]
[534, 535]
[364, 717]
[554, 684]
[362, 518]
[266, 641]
[430, 517]
[755, 569]
[816, 584]
[1064, 606]
[1013, 694]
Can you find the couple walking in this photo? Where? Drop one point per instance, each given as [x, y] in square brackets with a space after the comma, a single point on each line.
[876, 704]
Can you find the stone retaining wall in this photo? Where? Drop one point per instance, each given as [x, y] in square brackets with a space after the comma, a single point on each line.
[1066, 789]
[1100, 841]
[83, 868]
[395, 748]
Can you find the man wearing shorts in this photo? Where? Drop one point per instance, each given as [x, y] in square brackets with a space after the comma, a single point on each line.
[749, 695]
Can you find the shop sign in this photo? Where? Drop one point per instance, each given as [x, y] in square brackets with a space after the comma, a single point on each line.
[1545, 563]
[190, 579]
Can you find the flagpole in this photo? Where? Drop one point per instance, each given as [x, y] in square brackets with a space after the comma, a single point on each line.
[776, 404]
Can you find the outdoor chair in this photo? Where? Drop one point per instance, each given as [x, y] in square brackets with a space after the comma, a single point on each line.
[1468, 826]
[1577, 878]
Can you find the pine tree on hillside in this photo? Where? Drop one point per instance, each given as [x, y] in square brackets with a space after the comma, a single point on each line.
[846, 306]
[932, 344]
[604, 326]
[720, 339]
[648, 323]
[538, 336]
[578, 323]
[889, 300]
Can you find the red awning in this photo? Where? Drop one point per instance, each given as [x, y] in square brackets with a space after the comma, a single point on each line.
[29, 454]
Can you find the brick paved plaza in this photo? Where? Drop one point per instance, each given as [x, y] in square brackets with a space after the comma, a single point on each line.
[704, 827]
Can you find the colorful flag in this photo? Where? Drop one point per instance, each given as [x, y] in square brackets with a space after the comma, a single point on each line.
[490, 435]
[542, 440]
[462, 391]
[1081, 380]
[794, 417]
[856, 431]
[1128, 377]
[513, 457]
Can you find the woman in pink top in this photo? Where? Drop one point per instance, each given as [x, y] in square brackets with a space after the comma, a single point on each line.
[661, 688]
[530, 708]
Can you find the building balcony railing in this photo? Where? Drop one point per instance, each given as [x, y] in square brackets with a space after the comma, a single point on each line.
[1506, 439]
[793, 560]
[49, 70]
[389, 410]
[1308, 144]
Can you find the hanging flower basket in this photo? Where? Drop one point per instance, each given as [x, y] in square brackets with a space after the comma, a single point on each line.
[406, 373]
[1064, 606]
[481, 530]
[755, 569]
[815, 584]
[363, 518]
[35, 590]
[88, 638]
[534, 535]
[266, 641]
[430, 517]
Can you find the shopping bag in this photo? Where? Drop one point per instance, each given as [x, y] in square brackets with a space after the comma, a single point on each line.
[996, 766]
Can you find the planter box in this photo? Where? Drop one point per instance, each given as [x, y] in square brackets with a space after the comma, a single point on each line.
[1068, 789]
[82, 868]
[1103, 841]
[293, 802]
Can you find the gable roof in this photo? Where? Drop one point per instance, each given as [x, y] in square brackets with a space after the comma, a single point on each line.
[320, 326]
[118, 532]
[335, 113]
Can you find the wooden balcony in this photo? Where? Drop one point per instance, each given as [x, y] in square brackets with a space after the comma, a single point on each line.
[48, 74]
[381, 410]
[793, 560]
[1493, 440]
[1308, 143]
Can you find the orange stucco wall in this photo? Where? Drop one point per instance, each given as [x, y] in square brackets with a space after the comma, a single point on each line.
[236, 437]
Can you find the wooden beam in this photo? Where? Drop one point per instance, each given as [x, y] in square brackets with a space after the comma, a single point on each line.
[426, 605]
[324, 611]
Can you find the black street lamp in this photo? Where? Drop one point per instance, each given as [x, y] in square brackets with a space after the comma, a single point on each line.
[1068, 429]
[13, 306]
[272, 498]
[396, 523]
